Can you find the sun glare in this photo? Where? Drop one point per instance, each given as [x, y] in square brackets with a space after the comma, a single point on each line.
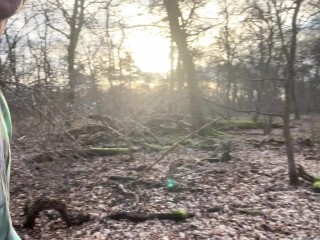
[150, 52]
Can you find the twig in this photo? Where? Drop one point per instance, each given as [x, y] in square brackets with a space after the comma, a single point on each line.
[19, 85]
[265, 79]
[46, 203]
[124, 136]
[130, 193]
[244, 111]
[177, 144]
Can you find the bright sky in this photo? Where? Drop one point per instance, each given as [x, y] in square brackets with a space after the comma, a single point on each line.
[150, 51]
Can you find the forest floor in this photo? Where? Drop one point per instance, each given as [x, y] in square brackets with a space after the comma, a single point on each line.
[245, 198]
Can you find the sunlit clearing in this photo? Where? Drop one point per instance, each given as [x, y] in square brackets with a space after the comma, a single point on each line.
[150, 52]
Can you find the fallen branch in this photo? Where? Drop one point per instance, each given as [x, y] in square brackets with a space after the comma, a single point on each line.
[177, 144]
[45, 203]
[130, 194]
[304, 175]
[244, 111]
[125, 138]
[141, 217]
[121, 178]
[91, 152]
[90, 128]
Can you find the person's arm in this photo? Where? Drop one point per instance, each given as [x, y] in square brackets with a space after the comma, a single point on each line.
[9, 7]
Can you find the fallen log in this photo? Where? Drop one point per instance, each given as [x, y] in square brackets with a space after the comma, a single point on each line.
[141, 217]
[90, 128]
[45, 203]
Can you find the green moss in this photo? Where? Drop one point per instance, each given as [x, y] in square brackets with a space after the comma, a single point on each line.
[245, 124]
[316, 179]
[208, 131]
[316, 185]
[181, 213]
[188, 142]
[155, 147]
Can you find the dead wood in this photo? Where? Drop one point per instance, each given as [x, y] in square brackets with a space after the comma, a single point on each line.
[45, 203]
[91, 152]
[122, 178]
[129, 193]
[90, 128]
[214, 209]
[243, 111]
[112, 126]
[168, 124]
[141, 217]
[173, 168]
[178, 143]
[304, 175]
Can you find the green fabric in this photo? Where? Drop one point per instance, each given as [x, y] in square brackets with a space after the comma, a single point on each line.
[6, 230]
[6, 114]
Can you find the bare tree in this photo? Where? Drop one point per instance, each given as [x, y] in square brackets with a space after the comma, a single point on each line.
[289, 87]
[75, 21]
[179, 36]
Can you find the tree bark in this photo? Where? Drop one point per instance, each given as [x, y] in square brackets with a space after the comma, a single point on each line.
[289, 88]
[179, 36]
[76, 23]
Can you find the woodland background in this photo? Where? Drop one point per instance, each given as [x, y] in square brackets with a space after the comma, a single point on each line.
[236, 110]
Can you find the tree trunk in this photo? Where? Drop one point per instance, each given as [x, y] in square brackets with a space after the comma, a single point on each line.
[289, 88]
[295, 104]
[76, 23]
[179, 36]
[287, 136]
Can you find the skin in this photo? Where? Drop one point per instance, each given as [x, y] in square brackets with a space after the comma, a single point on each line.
[9, 8]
